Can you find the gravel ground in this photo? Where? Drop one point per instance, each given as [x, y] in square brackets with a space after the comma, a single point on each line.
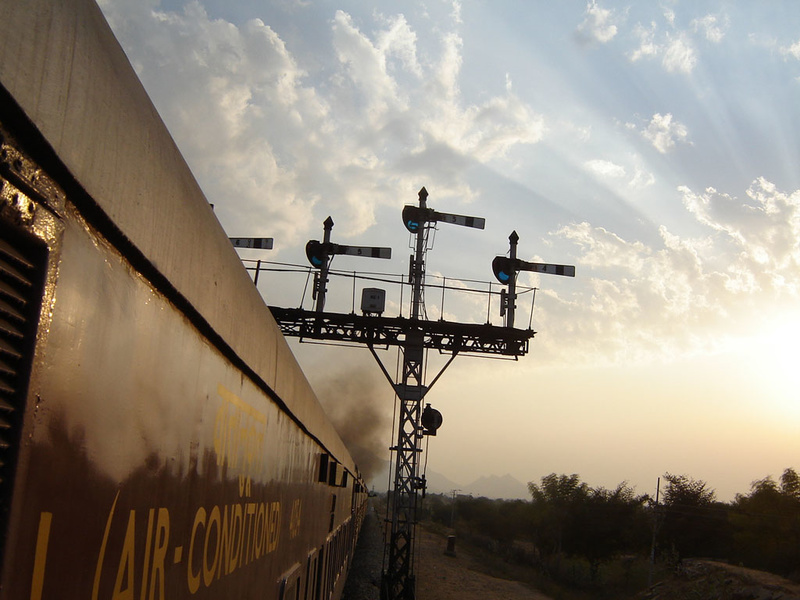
[364, 579]
[439, 576]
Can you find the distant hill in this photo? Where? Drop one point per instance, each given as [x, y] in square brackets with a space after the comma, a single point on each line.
[490, 486]
[506, 487]
[437, 483]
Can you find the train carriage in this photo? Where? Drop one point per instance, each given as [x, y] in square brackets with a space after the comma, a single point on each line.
[158, 438]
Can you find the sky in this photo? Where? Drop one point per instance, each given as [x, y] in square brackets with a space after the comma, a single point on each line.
[652, 145]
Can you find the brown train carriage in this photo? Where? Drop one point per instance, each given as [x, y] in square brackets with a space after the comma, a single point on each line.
[157, 437]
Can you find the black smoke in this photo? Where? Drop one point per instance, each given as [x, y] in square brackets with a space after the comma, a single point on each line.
[359, 404]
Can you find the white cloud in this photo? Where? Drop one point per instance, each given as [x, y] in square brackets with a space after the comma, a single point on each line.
[641, 178]
[710, 26]
[679, 55]
[647, 44]
[765, 227]
[663, 132]
[605, 168]
[366, 70]
[268, 138]
[684, 293]
[676, 50]
[456, 14]
[635, 177]
[793, 50]
[401, 41]
[597, 24]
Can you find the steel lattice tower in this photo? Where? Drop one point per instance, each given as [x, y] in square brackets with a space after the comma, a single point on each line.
[414, 336]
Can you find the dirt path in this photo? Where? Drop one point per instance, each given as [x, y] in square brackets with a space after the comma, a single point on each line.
[442, 577]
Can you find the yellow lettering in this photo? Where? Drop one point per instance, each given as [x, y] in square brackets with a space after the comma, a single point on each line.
[40, 559]
[99, 568]
[146, 564]
[125, 569]
[239, 431]
[160, 553]
[251, 542]
[220, 433]
[224, 544]
[208, 570]
[259, 528]
[274, 525]
[237, 534]
[294, 519]
[194, 580]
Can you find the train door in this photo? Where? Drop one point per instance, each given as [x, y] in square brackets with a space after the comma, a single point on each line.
[311, 567]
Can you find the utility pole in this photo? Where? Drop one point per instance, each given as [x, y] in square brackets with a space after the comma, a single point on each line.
[453, 509]
[655, 531]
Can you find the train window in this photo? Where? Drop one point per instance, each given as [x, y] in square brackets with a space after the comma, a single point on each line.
[344, 479]
[323, 468]
[332, 473]
[290, 584]
[333, 513]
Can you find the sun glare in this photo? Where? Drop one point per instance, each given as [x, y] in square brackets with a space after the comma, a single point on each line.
[776, 354]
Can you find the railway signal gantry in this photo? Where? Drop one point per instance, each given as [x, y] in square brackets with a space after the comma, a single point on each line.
[414, 336]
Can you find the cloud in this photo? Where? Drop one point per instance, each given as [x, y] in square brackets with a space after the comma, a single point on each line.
[270, 138]
[647, 44]
[710, 26]
[612, 172]
[679, 55]
[765, 227]
[365, 64]
[683, 294]
[641, 178]
[676, 49]
[663, 132]
[597, 25]
[605, 168]
[793, 50]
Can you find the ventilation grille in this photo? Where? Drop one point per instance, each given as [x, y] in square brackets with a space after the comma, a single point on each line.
[22, 265]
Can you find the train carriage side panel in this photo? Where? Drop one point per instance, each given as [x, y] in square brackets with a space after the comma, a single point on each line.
[171, 445]
[149, 464]
[61, 63]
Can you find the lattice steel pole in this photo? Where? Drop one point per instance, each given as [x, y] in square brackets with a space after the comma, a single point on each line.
[398, 578]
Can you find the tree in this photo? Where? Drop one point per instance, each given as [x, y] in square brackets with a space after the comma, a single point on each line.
[694, 523]
[555, 503]
[597, 524]
[767, 524]
[790, 484]
[608, 523]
